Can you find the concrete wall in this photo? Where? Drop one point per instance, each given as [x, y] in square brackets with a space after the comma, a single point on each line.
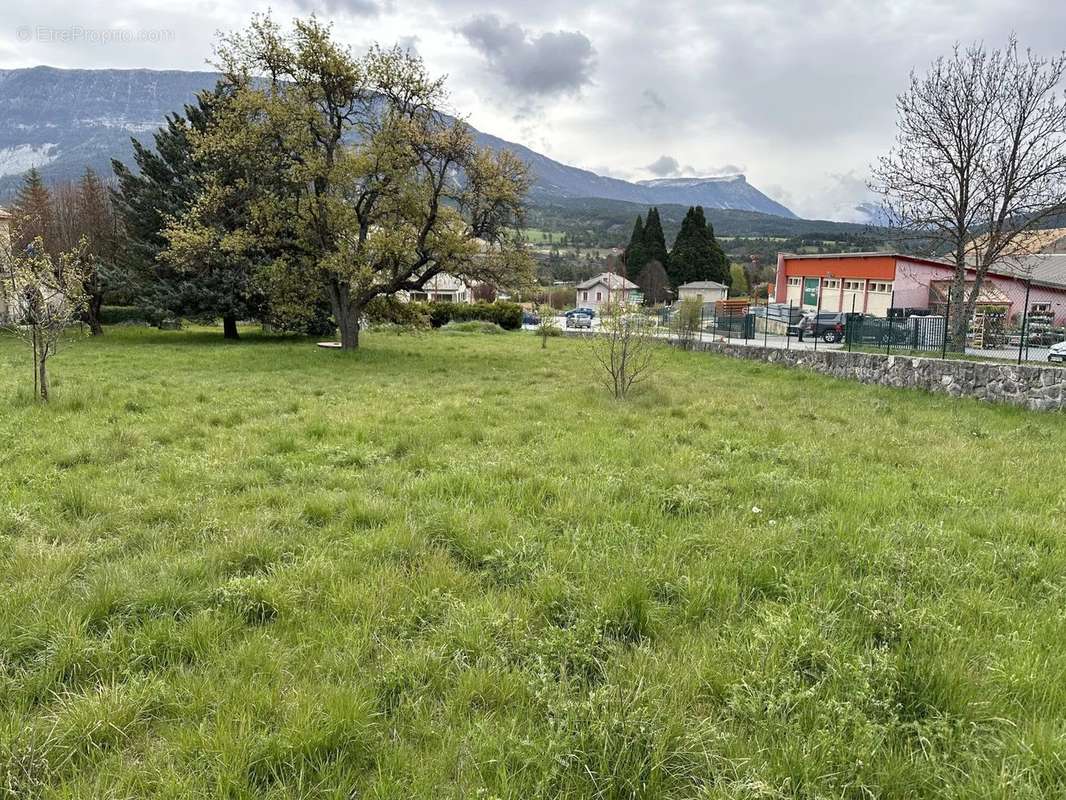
[1040, 388]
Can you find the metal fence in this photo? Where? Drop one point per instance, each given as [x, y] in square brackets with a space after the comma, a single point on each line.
[1026, 330]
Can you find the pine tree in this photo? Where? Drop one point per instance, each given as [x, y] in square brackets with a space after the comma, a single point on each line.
[635, 255]
[654, 242]
[164, 189]
[697, 255]
[33, 214]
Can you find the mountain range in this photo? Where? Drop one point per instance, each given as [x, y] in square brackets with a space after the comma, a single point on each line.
[62, 121]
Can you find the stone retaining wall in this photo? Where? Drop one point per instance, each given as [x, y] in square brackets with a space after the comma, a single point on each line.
[1040, 388]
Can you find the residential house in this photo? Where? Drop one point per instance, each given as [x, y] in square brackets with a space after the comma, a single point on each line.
[705, 292]
[444, 288]
[606, 289]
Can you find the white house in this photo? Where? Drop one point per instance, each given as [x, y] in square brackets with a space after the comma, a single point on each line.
[703, 291]
[444, 287]
[605, 289]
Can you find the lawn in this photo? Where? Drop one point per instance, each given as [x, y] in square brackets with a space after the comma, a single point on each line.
[449, 566]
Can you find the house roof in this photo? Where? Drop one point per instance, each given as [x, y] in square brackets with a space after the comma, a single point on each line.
[1046, 269]
[703, 285]
[936, 262]
[609, 279]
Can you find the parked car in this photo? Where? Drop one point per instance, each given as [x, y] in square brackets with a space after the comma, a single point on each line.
[530, 318]
[825, 325]
[585, 310]
[1057, 352]
[578, 321]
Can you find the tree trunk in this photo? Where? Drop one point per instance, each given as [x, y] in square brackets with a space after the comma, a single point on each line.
[93, 316]
[229, 328]
[42, 369]
[346, 314]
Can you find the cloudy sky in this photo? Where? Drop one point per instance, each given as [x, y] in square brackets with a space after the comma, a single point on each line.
[797, 94]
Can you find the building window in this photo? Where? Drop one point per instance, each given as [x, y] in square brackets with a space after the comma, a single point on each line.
[854, 286]
[831, 283]
[599, 296]
[584, 295]
[795, 281]
[881, 287]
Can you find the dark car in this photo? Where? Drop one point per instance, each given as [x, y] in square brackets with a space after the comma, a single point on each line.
[530, 318]
[825, 325]
[588, 312]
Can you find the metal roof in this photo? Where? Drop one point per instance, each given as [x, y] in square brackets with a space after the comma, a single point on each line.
[703, 285]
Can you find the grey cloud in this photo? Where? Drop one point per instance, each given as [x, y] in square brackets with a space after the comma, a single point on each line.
[668, 167]
[358, 8]
[538, 64]
[664, 167]
[654, 100]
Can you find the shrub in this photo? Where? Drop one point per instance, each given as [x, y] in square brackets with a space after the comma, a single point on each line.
[473, 326]
[507, 315]
[122, 315]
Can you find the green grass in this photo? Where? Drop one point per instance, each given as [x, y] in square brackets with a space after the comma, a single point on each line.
[451, 567]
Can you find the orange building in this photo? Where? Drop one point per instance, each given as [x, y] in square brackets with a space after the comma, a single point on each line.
[873, 283]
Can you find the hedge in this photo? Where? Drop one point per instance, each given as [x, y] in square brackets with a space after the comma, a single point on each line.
[507, 315]
[122, 315]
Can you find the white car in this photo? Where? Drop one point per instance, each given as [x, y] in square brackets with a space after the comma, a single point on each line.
[1057, 352]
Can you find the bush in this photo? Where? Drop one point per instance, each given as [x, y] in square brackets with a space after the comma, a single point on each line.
[122, 315]
[473, 326]
[507, 315]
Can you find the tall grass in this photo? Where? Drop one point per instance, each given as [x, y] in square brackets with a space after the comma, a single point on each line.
[451, 566]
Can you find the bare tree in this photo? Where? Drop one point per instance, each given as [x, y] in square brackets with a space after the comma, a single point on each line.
[979, 161]
[625, 349]
[687, 318]
[46, 295]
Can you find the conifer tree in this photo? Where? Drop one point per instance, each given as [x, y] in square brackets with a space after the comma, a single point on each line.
[635, 255]
[654, 242]
[215, 283]
[697, 256]
[33, 214]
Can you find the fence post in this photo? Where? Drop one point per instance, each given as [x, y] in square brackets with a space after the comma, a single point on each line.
[947, 320]
[817, 313]
[1025, 322]
[700, 334]
[788, 324]
[766, 323]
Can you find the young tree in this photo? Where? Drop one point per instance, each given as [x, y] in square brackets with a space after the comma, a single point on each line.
[548, 327]
[738, 286]
[654, 283]
[624, 349]
[350, 164]
[979, 161]
[687, 321]
[46, 294]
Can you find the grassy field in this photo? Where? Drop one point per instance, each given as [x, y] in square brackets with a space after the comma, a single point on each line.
[447, 566]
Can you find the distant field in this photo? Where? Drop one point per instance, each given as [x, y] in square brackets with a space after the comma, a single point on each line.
[449, 566]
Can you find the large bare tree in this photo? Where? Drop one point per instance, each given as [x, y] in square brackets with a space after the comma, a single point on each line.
[979, 161]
